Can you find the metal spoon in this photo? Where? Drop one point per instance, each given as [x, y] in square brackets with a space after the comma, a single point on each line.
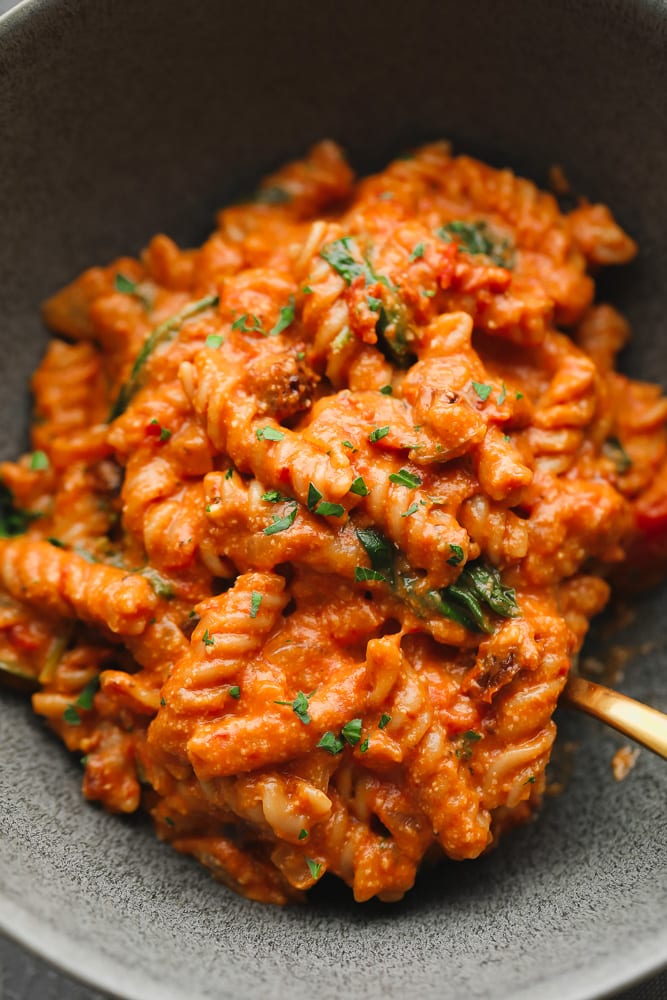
[641, 723]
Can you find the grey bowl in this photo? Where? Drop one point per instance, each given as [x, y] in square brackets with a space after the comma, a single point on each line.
[119, 119]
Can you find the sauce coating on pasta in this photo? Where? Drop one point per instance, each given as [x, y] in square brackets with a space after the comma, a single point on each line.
[318, 513]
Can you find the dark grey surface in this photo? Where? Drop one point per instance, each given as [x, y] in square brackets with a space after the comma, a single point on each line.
[121, 118]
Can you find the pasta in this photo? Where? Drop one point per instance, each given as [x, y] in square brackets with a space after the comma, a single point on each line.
[317, 514]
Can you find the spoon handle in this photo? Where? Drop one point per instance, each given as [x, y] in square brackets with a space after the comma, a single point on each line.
[644, 724]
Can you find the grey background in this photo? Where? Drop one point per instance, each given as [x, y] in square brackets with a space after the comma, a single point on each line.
[26, 977]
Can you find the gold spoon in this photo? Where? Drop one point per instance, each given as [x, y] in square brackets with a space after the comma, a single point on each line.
[641, 723]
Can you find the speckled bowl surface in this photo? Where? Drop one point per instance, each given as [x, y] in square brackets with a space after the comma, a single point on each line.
[119, 118]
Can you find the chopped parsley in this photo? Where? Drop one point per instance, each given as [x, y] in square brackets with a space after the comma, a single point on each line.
[412, 509]
[477, 238]
[351, 732]
[282, 523]
[214, 340]
[248, 323]
[374, 304]
[348, 444]
[285, 319]
[362, 574]
[84, 702]
[235, 692]
[384, 721]
[314, 496]
[378, 434]
[274, 496]
[531, 780]
[161, 334]
[457, 556]
[163, 432]
[417, 252]
[405, 478]
[502, 396]
[206, 639]
[13, 520]
[519, 395]
[363, 747]
[255, 602]
[614, 450]
[299, 706]
[230, 472]
[269, 434]
[313, 867]
[483, 390]
[302, 834]
[163, 702]
[386, 390]
[160, 585]
[124, 284]
[478, 590]
[331, 743]
[39, 461]
[466, 742]
[307, 290]
[359, 487]
[319, 506]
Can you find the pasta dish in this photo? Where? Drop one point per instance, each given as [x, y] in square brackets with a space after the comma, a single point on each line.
[316, 516]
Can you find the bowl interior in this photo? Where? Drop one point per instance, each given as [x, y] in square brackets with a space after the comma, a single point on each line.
[120, 120]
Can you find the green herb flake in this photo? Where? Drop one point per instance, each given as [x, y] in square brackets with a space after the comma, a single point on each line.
[230, 472]
[206, 639]
[314, 868]
[124, 284]
[359, 487]
[274, 496]
[299, 706]
[374, 304]
[362, 574]
[282, 523]
[314, 497]
[71, 716]
[161, 334]
[378, 434]
[518, 396]
[307, 290]
[214, 341]
[327, 509]
[405, 478]
[330, 742]
[457, 556]
[418, 252]
[235, 692]
[248, 323]
[300, 355]
[502, 396]
[13, 520]
[478, 238]
[39, 461]
[348, 444]
[302, 834]
[269, 434]
[165, 434]
[483, 390]
[163, 702]
[56, 542]
[387, 390]
[614, 450]
[466, 743]
[531, 780]
[428, 293]
[478, 590]
[363, 747]
[285, 319]
[85, 699]
[255, 601]
[160, 585]
[84, 760]
[169, 821]
[384, 721]
[351, 732]
[412, 509]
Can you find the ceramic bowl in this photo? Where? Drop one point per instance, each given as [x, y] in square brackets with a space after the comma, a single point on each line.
[120, 118]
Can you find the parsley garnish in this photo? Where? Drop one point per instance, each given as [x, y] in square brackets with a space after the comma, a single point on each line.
[214, 340]
[405, 478]
[502, 396]
[374, 304]
[314, 497]
[466, 742]
[206, 639]
[160, 585]
[165, 433]
[614, 450]
[230, 472]
[255, 601]
[307, 290]
[163, 702]
[327, 509]
[412, 509]
[13, 520]
[531, 780]
[299, 706]
[351, 732]
[285, 319]
[269, 434]
[386, 390]
[384, 720]
[348, 444]
[359, 487]
[363, 747]
[313, 867]
[124, 284]
[378, 434]
[478, 588]
[303, 834]
[84, 702]
[362, 574]
[274, 496]
[417, 252]
[519, 395]
[39, 461]
[483, 390]
[161, 334]
[235, 692]
[282, 523]
[331, 743]
[477, 238]
[248, 323]
[457, 556]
